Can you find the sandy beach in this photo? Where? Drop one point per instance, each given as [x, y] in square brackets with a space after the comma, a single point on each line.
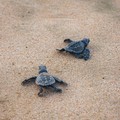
[30, 33]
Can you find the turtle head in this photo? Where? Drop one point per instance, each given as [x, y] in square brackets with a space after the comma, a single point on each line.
[42, 68]
[86, 41]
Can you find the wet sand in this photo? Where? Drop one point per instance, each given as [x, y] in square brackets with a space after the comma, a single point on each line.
[30, 32]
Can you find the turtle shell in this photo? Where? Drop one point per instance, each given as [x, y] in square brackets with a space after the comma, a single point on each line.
[45, 79]
[75, 47]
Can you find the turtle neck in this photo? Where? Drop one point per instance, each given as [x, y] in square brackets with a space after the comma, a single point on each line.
[41, 71]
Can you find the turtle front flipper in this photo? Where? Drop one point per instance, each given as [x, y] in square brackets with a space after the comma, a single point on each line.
[61, 50]
[30, 80]
[60, 81]
[86, 54]
[68, 41]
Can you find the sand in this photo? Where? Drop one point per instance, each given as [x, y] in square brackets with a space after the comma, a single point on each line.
[30, 32]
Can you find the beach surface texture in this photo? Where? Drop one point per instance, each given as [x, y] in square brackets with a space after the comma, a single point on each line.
[30, 33]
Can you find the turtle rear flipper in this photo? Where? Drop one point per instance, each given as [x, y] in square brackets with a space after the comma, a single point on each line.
[30, 80]
[68, 41]
[56, 89]
[40, 94]
[85, 54]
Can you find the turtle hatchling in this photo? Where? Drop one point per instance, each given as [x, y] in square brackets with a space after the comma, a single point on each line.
[44, 80]
[77, 48]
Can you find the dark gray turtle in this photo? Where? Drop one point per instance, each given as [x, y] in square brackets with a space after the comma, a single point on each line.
[44, 80]
[77, 48]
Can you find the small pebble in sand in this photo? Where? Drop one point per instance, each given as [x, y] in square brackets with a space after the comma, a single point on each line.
[13, 63]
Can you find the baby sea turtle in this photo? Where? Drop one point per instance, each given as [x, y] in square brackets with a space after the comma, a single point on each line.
[44, 80]
[77, 48]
